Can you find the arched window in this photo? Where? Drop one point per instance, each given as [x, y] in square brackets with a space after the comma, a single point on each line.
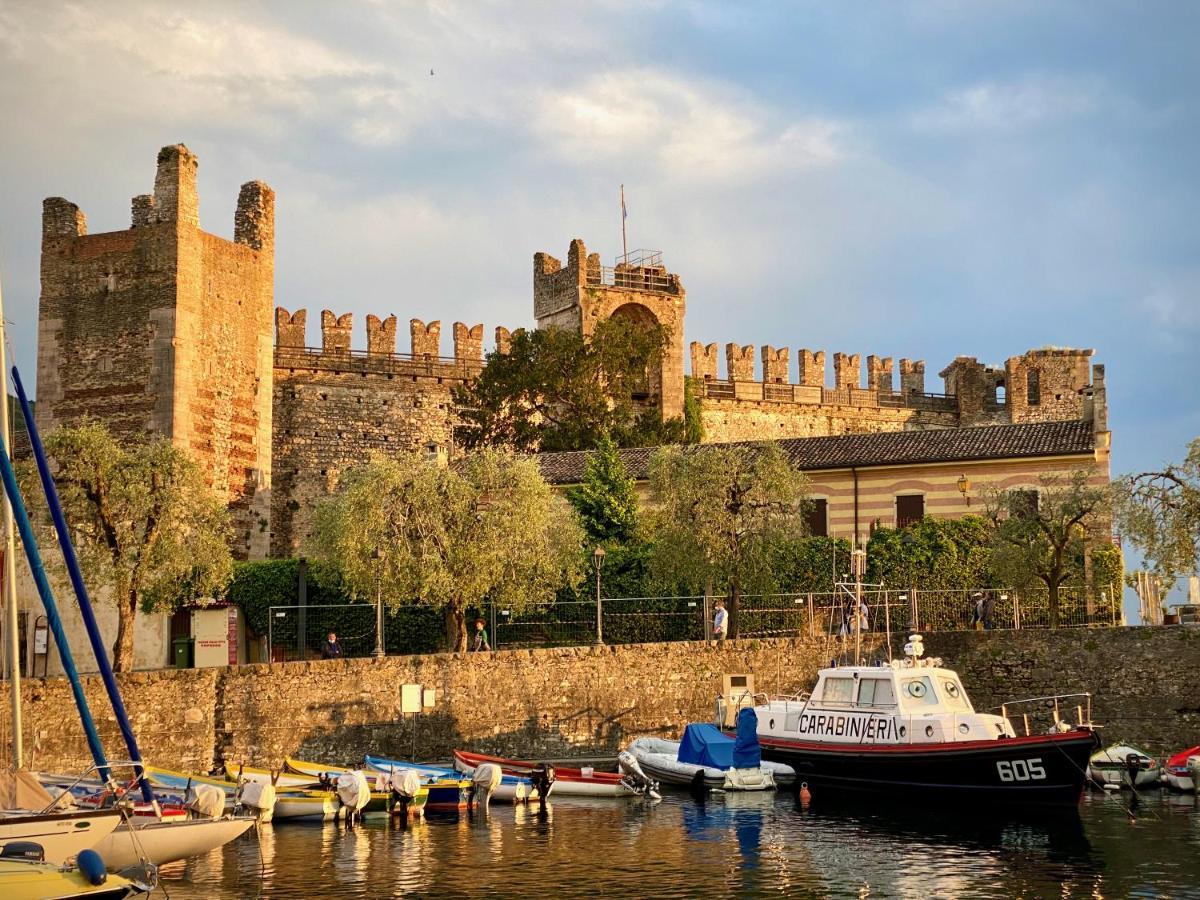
[1033, 388]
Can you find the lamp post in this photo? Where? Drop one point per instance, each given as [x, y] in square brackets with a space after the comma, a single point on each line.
[597, 560]
[378, 652]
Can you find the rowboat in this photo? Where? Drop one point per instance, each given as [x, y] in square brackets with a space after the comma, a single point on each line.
[282, 780]
[61, 834]
[1178, 774]
[567, 781]
[31, 880]
[1113, 767]
[512, 789]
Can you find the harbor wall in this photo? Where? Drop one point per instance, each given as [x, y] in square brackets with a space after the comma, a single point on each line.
[585, 700]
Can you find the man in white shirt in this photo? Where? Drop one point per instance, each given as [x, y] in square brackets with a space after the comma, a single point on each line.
[720, 622]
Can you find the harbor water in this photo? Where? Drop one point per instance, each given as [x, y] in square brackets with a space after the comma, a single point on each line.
[733, 845]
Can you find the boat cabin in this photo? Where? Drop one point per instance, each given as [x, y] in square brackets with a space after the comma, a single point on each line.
[909, 701]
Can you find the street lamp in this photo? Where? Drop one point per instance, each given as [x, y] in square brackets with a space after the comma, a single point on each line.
[964, 487]
[378, 652]
[597, 561]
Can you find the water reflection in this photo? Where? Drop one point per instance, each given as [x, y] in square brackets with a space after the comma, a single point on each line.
[733, 845]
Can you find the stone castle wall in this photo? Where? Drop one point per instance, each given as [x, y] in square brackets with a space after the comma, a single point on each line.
[587, 700]
[166, 329]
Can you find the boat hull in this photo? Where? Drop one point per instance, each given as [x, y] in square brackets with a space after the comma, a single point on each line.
[164, 842]
[511, 790]
[1042, 769]
[21, 880]
[61, 834]
[568, 782]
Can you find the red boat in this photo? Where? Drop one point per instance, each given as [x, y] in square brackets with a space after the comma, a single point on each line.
[1179, 776]
[567, 781]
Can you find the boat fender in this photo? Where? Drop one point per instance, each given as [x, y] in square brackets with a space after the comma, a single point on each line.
[805, 794]
[92, 867]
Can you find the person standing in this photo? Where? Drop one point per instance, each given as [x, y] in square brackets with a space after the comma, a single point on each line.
[720, 622]
[331, 649]
[481, 637]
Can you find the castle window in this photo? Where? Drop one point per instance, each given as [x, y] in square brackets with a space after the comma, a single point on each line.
[816, 517]
[910, 509]
[1033, 388]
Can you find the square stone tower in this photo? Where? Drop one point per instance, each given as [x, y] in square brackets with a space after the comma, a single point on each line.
[167, 329]
[584, 293]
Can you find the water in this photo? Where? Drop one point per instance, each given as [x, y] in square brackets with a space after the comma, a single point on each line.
[747, 845]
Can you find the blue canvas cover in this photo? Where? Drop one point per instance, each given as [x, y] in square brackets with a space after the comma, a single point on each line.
[747, 754]
[705, 745]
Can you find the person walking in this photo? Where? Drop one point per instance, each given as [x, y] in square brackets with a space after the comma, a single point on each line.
[331, 649]
[481, 637]
[720, 622]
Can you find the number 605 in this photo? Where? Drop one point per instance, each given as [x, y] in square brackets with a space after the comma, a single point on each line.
[1020, 769]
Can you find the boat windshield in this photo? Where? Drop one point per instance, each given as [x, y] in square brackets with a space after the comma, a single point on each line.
[952, 694]
[918, 692]
[876, 692]
[838, 690]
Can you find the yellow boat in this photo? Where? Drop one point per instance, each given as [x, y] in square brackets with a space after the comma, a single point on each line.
[22, 880]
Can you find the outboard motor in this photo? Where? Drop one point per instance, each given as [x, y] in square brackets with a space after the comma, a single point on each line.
[206, 800]
[402, 788]
[354, 793]
[635, 777]
[257, 798]
[542, 779]
[23, 850]
[484, 781]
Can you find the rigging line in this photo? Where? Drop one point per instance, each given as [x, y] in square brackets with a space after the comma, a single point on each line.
[1087, 775]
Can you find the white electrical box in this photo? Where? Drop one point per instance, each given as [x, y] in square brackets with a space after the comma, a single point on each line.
[737, 691]
[428, 698]
[410, 698]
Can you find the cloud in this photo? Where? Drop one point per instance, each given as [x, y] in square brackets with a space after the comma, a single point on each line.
[689, 129]
[997, 107]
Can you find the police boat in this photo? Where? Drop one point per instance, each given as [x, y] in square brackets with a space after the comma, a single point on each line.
[907, 727]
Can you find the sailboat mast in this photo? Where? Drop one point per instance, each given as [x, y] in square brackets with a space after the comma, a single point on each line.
[13, 640]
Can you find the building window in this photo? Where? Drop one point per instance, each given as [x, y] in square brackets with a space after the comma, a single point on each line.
[1033, 388]
[816, 517]
[1023, 503]
[910, 509]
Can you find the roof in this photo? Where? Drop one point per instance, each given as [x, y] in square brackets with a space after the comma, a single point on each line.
[890, 448]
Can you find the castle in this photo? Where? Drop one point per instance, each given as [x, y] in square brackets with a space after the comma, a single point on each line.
[166, 328]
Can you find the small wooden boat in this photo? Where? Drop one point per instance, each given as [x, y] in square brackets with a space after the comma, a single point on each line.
[32, 880]
[1179, 776]
[513, 789]
[1113, 767]
[60, 834]
[567, 781]
[282, 780]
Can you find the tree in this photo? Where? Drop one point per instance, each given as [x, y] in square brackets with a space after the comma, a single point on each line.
[1040, 541]
[933, 553]
[487, 528]
[556, 390]
[1159, 512]
[148, 531]
[719, 513]
[606, 500]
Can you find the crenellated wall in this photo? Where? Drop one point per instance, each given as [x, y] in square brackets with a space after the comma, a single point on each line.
[333, 407]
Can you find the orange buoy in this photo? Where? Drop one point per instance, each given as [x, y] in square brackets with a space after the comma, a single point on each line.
[805, 794]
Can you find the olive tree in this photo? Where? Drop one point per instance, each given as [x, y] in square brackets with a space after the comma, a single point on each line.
[1159, 513]
[149, 532]
[719, 513]
[486, 528]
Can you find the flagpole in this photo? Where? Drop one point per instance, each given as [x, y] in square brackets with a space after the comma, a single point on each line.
[9, 570]
[624, 242]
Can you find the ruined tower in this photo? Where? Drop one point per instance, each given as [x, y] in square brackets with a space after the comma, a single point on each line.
[167, 329]
[584, 293]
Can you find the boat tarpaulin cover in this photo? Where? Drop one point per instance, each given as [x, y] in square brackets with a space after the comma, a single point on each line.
[22, 790]
[747, 754]
[705, 745]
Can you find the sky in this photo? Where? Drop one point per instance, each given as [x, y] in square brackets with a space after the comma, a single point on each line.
[925, 180]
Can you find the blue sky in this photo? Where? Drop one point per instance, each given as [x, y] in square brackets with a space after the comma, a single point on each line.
[924, 180]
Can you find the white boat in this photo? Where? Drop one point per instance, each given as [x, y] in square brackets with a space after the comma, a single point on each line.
[568, 781]
[164, 842]
[1111, 767]
[1179, 772]
[705, 758]
[511, 790]
[60, 834]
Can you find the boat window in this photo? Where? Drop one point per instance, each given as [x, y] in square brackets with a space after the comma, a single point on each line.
[953, 694]
[918, 692]
[838, 690]
[876, 692]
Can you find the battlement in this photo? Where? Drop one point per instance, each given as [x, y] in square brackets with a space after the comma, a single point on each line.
[381, 356]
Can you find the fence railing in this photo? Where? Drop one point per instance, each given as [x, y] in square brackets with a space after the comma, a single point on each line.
[297, 632]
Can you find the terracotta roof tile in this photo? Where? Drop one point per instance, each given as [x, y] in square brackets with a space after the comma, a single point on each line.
[880, 449]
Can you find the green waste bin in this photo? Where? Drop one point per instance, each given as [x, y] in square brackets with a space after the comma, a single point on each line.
[184, 657]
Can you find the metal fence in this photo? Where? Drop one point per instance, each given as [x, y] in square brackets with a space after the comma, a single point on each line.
[636, 620]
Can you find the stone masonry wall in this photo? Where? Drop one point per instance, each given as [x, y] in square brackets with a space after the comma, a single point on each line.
[589, 700]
